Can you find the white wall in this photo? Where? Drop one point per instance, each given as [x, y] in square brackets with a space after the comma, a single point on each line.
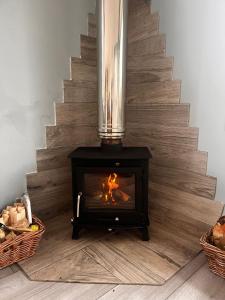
[37, 37]
[195, 31]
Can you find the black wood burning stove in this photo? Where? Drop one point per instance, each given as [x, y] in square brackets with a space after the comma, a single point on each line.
[110, 188]
[110, 182]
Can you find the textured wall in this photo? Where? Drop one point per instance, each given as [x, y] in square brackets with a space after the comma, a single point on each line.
[195, 37]
[37, 37]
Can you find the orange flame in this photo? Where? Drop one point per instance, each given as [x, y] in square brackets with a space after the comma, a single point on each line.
[111, 183]
[111, 190]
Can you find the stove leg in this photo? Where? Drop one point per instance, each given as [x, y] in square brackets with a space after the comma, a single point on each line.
[76, 229]
[145, 233]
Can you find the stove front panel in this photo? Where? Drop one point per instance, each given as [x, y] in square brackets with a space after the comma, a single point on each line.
[110, 192]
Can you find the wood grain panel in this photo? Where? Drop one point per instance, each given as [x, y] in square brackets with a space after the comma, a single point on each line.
[137, 114]
[147, 77]
[147, 69]
[162, 292]
[142, 63]
[50, 191]
[80, 91]
[167, 115]
[167, 92]
[185, 138]
[48, 159]
[48, 180]
[82, 71]
[70, 136]
[58, 237]
[50, 203]
[190, 229]
[123, 269]
[79, 267]
[202, 285]
[151, 263]
[154, 45]
[186, 181]
[195, 161]
[71, 291]
[126, 258]
[18, 286]
[186, 204]
[138, 8]
[178, 248]
[176, 152]
[88, 47]
[142, 27]
[76, 113]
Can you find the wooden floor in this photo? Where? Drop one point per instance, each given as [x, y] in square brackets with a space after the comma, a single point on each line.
[193, 282]
[122, 257]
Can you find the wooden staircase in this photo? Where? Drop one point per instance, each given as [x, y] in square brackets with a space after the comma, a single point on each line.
[181, 191]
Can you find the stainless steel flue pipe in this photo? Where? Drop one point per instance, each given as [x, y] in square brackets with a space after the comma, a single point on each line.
[112, 55]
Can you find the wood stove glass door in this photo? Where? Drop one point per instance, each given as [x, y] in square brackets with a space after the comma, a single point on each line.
[109, 188]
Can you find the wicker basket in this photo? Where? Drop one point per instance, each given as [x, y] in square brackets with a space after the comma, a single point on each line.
[216, 257]
[23, 246]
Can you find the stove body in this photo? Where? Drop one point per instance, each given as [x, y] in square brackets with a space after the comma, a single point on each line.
[110, 188]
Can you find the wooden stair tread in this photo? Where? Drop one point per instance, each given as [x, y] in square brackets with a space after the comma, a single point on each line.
[154, 92]
[86, 113]
[81, 70]
[164, 155]
[80, 91]
[138, 8]
[142, 27]
[165, 92]
[50, 203]
[48, 179]
[144, 63]
[167, 115]
[180, 142]
[189, 205]
[153, 45]
[198, 184]
[70, 136]
[48, 159]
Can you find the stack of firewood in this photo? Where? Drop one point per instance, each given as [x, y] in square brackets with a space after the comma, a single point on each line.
[14, 220]
[14, 216]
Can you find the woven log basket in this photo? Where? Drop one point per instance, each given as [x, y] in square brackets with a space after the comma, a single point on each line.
[216, 257]
[23, 246]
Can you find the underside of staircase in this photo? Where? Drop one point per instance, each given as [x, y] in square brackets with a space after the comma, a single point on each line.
[181, 192]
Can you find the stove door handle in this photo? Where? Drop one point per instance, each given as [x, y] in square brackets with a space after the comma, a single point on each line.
[78, 203]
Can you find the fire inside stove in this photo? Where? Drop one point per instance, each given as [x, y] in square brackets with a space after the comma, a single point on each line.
[111, 190]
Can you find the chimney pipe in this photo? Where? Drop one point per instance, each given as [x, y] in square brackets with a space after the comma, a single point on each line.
[112, 50]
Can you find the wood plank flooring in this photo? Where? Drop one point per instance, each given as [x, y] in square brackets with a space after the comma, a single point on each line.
[122, 257]
[193, 282]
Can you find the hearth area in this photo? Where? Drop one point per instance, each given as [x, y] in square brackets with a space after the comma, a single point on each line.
[110, 188]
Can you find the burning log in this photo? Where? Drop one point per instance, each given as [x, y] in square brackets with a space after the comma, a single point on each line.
[119, 195]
